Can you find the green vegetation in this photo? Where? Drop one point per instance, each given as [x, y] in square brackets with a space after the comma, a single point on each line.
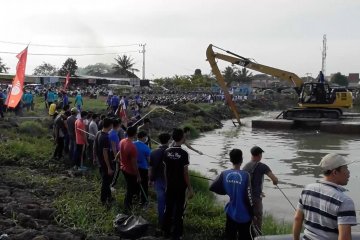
[28, 150]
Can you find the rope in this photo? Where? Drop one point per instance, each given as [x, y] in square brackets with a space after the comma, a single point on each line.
[286, 197]
[142, 190]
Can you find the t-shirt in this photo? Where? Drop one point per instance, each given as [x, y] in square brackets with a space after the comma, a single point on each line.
[102, 143]
[28, 98]
[2, 98]
[59, 126]
[65, 100]
[52, 109]
[325, 206]
[156, 162]
[114, 137]
[143, 154]
[127, 152]
[50, 97]
[175, 160]
[236, 184]
[78, 100]
[71, 125]
[79, 124]
[93, 129]
[115, 101]
[257, 171]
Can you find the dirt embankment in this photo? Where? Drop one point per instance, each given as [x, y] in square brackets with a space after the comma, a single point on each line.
[30, 182]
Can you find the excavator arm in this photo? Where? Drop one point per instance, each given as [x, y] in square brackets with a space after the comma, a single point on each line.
[216, 71]
[247, 63]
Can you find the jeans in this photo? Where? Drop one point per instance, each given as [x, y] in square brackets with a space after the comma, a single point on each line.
[258, 212]
[174, 211]
[105, 185]
[116, 173]
[237, 231]
[132, 189]
[72, 152]
[144, 192]
[80, 155]
[90, 150]
[58, 153]
[160, 187]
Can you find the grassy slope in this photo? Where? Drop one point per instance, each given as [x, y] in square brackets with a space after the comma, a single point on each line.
[77, 199]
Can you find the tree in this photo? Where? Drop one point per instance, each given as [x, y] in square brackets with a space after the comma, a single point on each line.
[3, 68]
[197, 72]
[69, 65]
[125, 66]
[229, 75]
[45, 69]
[98, 69]
[340, 79]
[243, 75]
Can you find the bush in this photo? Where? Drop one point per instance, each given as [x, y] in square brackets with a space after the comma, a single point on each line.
[32, 128]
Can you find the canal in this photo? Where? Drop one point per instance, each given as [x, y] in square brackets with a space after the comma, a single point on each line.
[292, 155]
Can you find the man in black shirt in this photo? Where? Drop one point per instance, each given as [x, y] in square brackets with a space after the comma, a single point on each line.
[101, 150]
[156, 173]
[176, 161]
[257, 170]
[59, 134]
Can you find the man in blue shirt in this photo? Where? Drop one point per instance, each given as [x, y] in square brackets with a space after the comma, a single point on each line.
[50, 97]
[2, 102]
[239, 210]
[114, 103]
[28, 99]
[157, 174]
[79, 101]
[114, 149]
[143, 158]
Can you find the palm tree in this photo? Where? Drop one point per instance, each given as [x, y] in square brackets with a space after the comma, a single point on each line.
[124, 66]
[229, 75]
[243, 75]
[3, 68]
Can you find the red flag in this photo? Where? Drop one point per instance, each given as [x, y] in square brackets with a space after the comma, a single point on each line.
[122, 115]
[18, 82]
[67, 80]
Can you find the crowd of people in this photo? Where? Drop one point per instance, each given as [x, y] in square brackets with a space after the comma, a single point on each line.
[118, 145]
[118, 149]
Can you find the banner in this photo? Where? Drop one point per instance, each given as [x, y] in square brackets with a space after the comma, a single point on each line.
[67, 80]
[18, 82]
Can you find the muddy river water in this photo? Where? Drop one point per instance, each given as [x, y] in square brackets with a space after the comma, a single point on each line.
[292, 156]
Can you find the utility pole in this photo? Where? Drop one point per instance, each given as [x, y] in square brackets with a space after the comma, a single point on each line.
[143, 66]
[323, 62]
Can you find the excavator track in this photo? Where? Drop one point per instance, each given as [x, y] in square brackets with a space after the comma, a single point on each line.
[312, 114]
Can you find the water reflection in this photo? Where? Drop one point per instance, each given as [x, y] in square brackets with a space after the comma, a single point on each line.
[292, 155]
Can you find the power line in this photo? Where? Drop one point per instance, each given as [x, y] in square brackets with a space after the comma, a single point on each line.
[66, 46]
[69, 55]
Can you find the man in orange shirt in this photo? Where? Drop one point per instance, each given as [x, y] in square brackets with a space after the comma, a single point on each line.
[81, 140]
[129, 166]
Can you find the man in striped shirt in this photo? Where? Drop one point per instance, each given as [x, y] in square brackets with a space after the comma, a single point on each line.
[326, 211]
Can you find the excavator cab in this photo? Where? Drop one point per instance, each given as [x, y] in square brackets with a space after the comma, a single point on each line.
[316, 93]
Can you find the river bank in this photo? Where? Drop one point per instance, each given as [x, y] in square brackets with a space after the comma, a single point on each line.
[43, 199]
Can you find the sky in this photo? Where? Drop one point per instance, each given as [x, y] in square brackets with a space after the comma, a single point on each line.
[285, 34]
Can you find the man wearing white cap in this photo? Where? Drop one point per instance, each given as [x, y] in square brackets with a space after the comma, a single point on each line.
[326, 211]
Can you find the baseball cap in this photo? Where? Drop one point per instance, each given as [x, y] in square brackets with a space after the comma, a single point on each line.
[255, 151]
[332, 161]
[74, 110]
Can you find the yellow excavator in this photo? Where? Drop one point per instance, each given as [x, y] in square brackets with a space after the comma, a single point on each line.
[317, 100]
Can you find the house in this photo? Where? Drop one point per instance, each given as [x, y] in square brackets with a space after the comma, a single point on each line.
[353, 79]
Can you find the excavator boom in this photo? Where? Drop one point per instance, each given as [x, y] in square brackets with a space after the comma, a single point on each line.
[316, 99]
